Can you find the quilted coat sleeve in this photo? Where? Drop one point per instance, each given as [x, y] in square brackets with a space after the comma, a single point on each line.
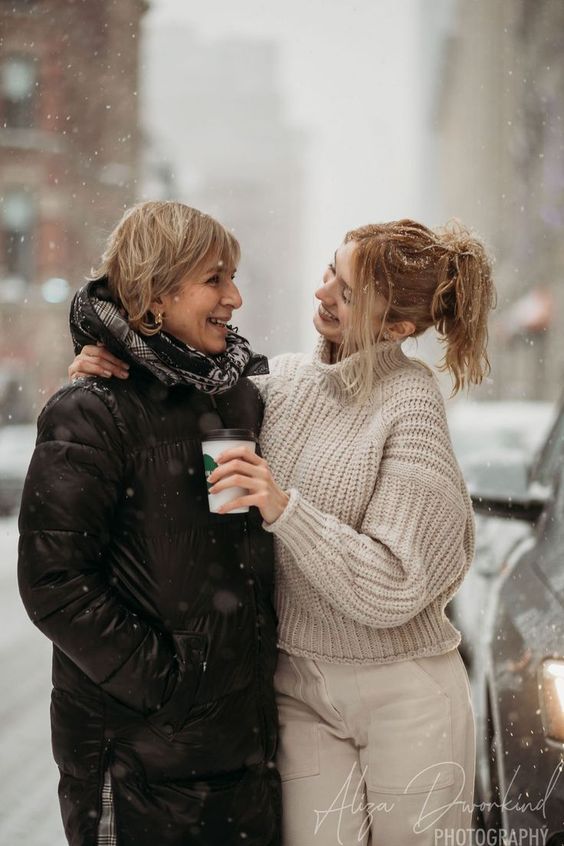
[70, 501]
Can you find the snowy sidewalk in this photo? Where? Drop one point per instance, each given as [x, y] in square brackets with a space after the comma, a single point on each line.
[29, 808]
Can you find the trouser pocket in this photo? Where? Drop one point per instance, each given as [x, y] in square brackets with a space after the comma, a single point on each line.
[298, 740]
[410, 738]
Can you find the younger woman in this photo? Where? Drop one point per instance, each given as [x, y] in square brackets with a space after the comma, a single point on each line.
[373, 533]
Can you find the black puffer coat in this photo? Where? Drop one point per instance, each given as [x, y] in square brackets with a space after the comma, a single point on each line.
[160, 614]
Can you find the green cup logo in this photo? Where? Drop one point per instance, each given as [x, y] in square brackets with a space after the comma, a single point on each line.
[209, 467]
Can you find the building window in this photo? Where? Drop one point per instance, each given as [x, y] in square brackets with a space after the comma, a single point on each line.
[19, 78]
[17, 230]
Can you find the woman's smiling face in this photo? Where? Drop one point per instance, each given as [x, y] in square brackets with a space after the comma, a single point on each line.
[197, 314]
[333, 315]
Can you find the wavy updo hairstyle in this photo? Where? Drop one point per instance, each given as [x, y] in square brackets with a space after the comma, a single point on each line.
[440, 278]
[153, 248]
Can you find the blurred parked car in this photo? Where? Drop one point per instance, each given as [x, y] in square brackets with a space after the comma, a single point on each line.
[517, 674]
[16, 448]
[476, 427]
[495, 443]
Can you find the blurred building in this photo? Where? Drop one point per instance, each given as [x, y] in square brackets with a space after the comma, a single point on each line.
[69, 150]
[499, 119]
[217, 107]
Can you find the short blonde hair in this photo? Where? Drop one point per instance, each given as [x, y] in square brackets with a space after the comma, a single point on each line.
[153, 247]
[440, 278]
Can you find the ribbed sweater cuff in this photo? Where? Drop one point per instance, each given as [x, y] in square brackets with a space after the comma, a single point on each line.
[298, 527]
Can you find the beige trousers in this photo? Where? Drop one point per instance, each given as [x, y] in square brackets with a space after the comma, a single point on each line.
[378, 755]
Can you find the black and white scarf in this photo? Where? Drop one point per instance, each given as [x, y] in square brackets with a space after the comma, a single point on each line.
[94, 317]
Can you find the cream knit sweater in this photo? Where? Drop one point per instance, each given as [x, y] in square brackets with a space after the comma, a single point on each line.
[379, 531]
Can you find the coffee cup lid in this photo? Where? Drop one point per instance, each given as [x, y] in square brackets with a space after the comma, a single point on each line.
[229, 435]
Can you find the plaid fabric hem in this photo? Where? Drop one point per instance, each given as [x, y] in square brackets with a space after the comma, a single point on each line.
[107, 825]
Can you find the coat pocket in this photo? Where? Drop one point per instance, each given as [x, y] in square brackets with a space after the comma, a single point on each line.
[191, 652]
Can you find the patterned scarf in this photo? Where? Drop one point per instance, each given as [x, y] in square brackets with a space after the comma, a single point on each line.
[95, 317]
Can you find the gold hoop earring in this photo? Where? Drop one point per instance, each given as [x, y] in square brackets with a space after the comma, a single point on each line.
[158, 320]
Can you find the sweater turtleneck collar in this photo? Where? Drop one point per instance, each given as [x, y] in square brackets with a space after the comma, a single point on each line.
[387, 356]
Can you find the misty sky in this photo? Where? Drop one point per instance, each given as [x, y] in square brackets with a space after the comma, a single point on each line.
[354, 75]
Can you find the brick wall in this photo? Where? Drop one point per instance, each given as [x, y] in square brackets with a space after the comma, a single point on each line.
[76, 161]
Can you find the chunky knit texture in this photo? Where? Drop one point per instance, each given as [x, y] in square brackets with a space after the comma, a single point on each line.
[379, 530]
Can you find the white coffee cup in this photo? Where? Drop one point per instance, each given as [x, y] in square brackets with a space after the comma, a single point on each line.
[214, 443]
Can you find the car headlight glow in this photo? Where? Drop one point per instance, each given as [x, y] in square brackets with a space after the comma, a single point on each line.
[551, 689]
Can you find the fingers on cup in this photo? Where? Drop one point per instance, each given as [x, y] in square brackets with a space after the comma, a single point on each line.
[243, 453]
[240, 502]
[229, 468]
[236, 480]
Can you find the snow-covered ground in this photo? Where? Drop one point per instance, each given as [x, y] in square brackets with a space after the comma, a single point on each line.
[29, 811]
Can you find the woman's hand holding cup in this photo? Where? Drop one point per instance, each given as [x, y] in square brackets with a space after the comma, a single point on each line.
[241, 467]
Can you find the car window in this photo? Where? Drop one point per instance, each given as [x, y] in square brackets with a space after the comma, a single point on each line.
[548, 555]
[551, 455]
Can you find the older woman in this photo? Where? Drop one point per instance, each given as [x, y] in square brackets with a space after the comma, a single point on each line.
[160, 613]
